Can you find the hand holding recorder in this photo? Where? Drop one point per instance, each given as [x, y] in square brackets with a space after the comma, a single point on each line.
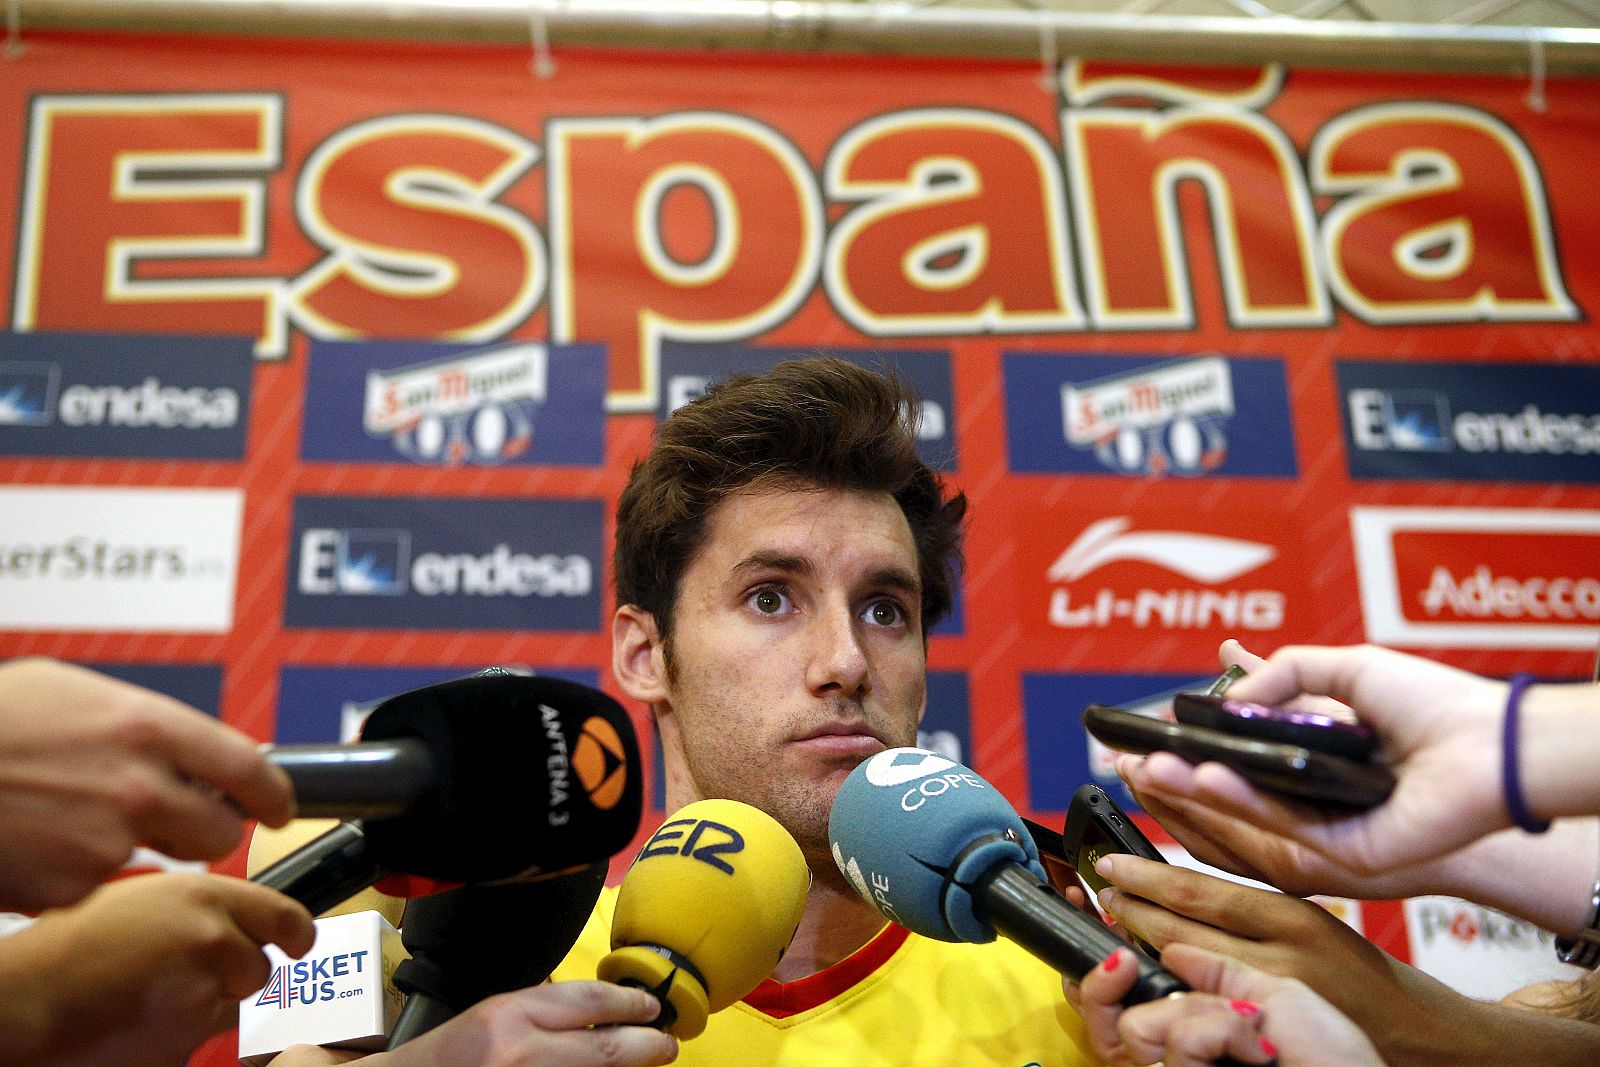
[1444, 735]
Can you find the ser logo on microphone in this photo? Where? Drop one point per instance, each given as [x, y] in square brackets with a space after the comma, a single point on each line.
[707, 842]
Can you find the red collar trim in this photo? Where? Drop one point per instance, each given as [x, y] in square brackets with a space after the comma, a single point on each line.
[779, 1000]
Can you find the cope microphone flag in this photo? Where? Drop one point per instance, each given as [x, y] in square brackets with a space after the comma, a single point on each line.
[707, 910]
[521, 775]
[938, 850]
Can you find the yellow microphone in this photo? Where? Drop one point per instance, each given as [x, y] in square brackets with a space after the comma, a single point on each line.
[707, 910]
[268, 846]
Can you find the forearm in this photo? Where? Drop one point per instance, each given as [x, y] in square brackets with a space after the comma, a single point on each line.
[1462, 1032]
[1547, 879]
[1558, 748]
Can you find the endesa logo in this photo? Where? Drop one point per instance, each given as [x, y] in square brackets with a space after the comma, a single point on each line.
[689, 370]
[101, 395]
[1179, 580]
[1200, 416]
[1471, 421]
[455, 405]
[1479, 577]
[315, 981]
[445, 563]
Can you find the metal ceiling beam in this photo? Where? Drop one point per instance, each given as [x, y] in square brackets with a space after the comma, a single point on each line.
[872, 28]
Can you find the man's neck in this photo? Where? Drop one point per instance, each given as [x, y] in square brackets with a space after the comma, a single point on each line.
[835, 924]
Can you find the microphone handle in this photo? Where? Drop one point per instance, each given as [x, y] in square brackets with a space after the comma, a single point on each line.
[1035, 916]
[367, 780]
[327, 871]
[421, 1014]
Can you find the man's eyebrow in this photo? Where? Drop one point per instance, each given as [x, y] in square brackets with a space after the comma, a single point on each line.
[774, 561]
[896, 578]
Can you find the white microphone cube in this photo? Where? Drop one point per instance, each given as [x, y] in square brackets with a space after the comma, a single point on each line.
[340, 994]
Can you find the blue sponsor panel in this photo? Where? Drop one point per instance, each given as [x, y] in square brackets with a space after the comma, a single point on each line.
[1061, 754]
[946, 727]
[1141, 416]
[445, 564]
[124, 395]
[319, 705]
[450, 405]
[1486, 422]
[686, 371]
[198, 685]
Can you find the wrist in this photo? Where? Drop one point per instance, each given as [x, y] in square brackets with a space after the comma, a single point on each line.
[28, 1019]
[1557, 764]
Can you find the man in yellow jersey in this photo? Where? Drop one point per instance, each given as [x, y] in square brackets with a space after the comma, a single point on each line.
[781, 554]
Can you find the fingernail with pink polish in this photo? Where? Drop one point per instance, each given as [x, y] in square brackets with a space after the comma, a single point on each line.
[1247, 1008]
[1269, 1048]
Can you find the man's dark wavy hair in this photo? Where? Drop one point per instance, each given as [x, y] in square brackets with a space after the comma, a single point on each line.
[814, 423]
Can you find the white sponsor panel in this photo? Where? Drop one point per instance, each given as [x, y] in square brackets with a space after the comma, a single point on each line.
[1478, 951]
[341, 994]
[1515, 613]
[93, 558]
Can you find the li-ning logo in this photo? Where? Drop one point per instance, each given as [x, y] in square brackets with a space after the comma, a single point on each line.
[312, 981]
[477, 407]
[1202, 558]
[28, 393]
[1164, 419]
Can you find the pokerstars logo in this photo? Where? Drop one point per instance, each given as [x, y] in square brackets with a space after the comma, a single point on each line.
[1470, 926]
[1208, 597]
[1479, 577]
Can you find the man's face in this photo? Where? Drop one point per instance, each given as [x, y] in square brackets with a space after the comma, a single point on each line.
[796, 651]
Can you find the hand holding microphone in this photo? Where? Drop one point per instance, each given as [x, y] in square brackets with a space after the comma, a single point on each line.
[938, 850]
[706, 911]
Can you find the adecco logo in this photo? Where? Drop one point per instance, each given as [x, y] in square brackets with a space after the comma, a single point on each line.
[1478, 577]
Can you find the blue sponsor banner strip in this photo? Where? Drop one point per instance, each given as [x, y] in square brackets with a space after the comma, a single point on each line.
[1059, 752]
[518, 403]
[1485, 422]
[124, 395]
[1201, 416]
[445, 563]
[197, 685]
[321, 705]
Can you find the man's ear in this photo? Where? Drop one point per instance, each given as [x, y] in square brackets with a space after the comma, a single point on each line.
[637, 657]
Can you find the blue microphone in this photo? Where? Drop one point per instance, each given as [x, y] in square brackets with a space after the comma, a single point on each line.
[938, 850]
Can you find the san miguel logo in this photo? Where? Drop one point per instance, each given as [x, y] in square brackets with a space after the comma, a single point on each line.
[1189, 581]
[706, 225]
[1479, 577]
[1202, 416]
[478, 406]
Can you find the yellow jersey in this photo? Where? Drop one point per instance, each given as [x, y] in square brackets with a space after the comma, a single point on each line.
[901, 1000]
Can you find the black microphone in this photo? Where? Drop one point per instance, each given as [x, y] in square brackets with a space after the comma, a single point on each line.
[472, 943]
[366, 780]
[529, 775]
[938, 850]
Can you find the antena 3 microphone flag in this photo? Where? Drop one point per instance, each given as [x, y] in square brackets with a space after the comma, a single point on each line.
[707, 910]
[529, 775]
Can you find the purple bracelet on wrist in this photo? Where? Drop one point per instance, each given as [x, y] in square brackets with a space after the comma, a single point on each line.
[1510, 774]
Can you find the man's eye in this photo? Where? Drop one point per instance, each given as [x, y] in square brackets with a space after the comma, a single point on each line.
[767, 601]
[885, 613]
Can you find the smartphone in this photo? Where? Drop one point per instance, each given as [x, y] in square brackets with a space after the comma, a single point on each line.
[1096, 827]
[1292, 770]
[1308, 729]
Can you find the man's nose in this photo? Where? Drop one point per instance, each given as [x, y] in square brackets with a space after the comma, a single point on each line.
[838, 660]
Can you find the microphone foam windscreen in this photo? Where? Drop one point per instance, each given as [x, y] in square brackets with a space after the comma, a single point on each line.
[268, 846]
[471, 943]
[721, 885]
[911, 830]
[533, 774]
